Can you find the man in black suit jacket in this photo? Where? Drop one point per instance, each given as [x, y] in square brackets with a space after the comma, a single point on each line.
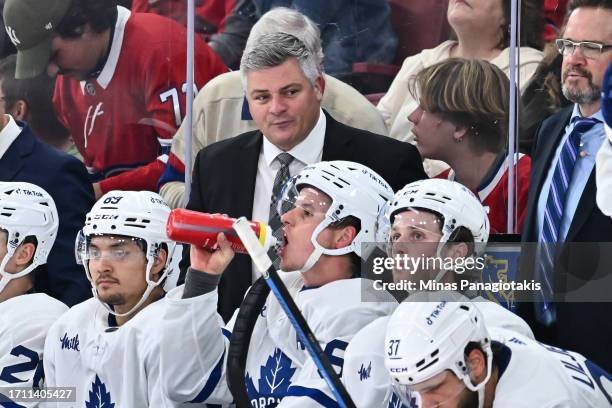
[583, 327]
[65, 179]
[284, 88]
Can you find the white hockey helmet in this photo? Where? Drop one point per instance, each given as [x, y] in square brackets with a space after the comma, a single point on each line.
[26, 210]
[425, 338]
[355, 190]
[457, 205]
[140, 215]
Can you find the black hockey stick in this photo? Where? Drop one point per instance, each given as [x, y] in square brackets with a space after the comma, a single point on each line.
[264, 264]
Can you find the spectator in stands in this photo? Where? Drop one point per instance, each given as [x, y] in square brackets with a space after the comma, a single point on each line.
[229, 43]
[466, 126]
[29, 100]
[221, 111]
[541, 97]
[23, 157]
[209, 15]
[482, 31]
[562, 206]
[554, 14]
[121, 102]
[351, 31]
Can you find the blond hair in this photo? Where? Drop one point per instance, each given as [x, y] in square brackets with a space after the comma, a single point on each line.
[470, 93]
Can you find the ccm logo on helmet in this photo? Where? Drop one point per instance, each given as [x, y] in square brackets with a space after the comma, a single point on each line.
[105, 217]
[398, 370]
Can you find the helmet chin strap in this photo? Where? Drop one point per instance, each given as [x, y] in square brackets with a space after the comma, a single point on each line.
[480, 388]
[144, 297]
[8, 277]
[150, 286]
[319, 250]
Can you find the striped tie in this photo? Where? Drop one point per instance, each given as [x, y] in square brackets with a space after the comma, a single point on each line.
[274, 220]
[553, 215]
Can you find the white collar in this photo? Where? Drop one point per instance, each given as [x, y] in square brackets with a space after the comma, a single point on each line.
[307, 151]
[106, 75]
[9, 134]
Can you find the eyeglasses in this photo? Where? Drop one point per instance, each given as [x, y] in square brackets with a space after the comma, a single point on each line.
[589, 49]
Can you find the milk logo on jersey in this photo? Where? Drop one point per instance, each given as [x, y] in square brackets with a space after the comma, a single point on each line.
[365, 373]
[90, 120]
[274, 380]
[13, 36]
[98, 396]
[70, 343]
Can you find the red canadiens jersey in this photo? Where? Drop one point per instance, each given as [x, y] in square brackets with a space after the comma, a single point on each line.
[493, 193]
[126, 117]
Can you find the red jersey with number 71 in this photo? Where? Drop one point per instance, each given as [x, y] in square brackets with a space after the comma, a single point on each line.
[123, 121]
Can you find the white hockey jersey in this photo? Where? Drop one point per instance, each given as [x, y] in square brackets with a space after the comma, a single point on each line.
[534, 374]
[277, 366]
[24, 322]
[367, 379]
[107, 364]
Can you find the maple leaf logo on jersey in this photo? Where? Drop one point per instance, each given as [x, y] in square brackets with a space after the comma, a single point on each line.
[274, 380]
[98, 397]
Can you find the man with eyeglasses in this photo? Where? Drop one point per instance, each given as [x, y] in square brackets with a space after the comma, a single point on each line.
[561, 205]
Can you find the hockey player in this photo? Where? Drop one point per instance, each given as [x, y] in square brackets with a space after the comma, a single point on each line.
[431, 219]
[108, 346]
[455, 360]
[28, 226]
[328, 210]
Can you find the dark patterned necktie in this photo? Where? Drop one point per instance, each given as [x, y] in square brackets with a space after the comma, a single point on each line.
[553, 216]
[274, 220]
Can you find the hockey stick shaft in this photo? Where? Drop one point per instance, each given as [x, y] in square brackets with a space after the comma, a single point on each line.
[264, 264]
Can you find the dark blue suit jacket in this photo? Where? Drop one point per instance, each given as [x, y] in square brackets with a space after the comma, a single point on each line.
[65, 178]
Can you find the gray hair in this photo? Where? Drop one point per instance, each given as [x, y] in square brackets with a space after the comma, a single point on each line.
[273, 49]
[289, 21]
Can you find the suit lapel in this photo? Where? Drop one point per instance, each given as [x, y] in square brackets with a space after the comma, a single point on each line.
[553, 133]
[337, 144]
[586, 205]
[12, 161]
[246, 169]
[549, 148]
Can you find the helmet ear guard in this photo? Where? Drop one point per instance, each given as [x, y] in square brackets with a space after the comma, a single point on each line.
[26, 210]
[139, 215]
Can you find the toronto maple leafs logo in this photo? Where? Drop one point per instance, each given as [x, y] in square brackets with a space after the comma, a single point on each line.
[364, 373]
[98, 397]
[274, 380]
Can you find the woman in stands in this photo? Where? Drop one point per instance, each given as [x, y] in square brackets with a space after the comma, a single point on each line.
[462, 119]
[482, 30]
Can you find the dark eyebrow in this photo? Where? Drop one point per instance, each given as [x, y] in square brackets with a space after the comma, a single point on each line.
[284, 88]
[292, 85]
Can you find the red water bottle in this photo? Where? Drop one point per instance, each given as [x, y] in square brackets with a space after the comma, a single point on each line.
[201, 229]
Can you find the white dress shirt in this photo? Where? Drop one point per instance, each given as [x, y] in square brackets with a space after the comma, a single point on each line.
[308, 151]
[8, 135]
